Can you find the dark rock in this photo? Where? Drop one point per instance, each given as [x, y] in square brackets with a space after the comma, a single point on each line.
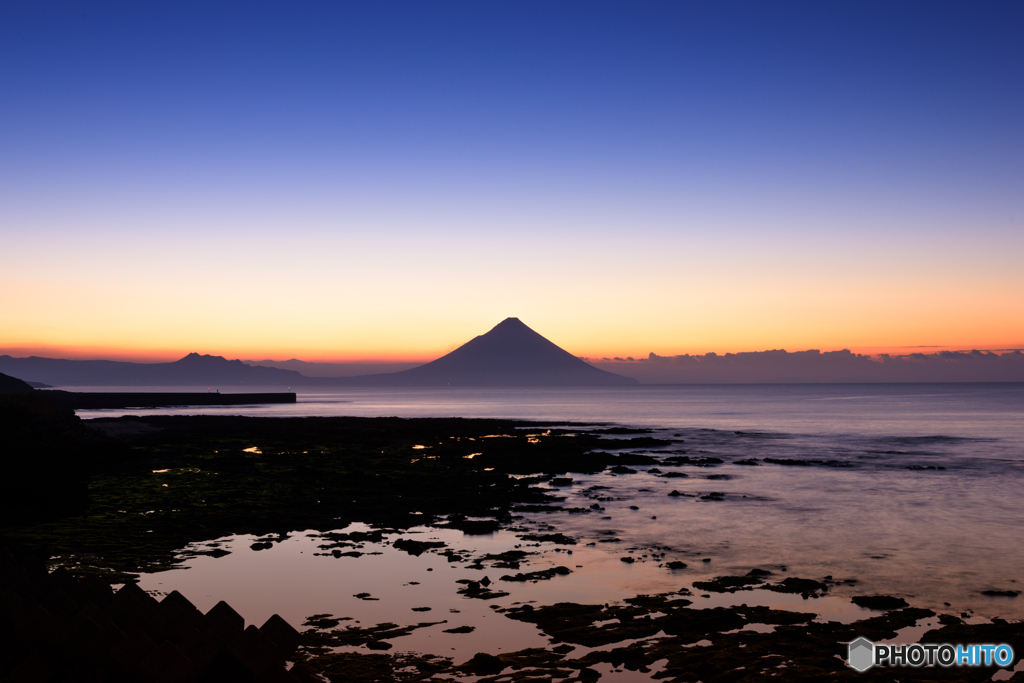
[729, 584]
[560, 539]
[883, 603]
[483, 664]
[796, 462]
[416, 547]
[474, 527]
[697, 462]
[541, 575]
[807, 588]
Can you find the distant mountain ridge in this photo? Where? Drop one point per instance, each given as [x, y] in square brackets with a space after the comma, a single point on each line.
[192, 370]
[510, 354]
[313, 369]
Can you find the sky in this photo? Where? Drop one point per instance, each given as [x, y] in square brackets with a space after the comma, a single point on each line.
[383, 180]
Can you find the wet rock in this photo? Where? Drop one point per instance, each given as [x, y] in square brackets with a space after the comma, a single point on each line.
[473, 527]
[416, 547]
[545, 508]
[628, 559]
[807, 588]
[621, 469]
[714, 496]
[560, 539]
[509, 559]
[750, 462]
[483, 664]
[379, 645]
[675, 565]
[675, 475]
[696, 462]
[421, 609]
[561, 481]
[364, 596]
[324, 621]
[460, 629]
[262, 545]
[797, 462]
[729, 584]
[474, 589]
[1000, 594]
[719, 477]
[541, 575]
[215, 552]
[883, 603]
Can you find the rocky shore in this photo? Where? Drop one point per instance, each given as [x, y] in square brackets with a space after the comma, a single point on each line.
[159, 491]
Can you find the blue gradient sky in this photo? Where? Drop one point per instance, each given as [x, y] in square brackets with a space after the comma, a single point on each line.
[384, 180]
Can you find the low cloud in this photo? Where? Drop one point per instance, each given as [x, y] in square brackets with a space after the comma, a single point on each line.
[814, 366]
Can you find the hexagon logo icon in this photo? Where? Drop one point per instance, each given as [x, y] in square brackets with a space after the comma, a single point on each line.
[861, 655]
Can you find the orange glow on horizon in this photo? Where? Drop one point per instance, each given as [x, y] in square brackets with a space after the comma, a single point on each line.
[144, 355]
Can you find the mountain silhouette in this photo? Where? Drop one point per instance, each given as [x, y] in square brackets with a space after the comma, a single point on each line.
[511, 354]
[13, 385]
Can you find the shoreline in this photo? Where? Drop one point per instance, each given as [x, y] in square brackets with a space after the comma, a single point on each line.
[235, 475]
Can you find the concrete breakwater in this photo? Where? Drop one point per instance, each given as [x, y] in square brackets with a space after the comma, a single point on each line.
[101, 400]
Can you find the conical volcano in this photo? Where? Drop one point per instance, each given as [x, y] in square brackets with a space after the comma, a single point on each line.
[511, 354]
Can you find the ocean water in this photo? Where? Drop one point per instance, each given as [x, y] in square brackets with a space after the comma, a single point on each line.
[911, 490]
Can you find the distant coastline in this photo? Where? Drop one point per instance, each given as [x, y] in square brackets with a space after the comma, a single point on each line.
[765, 367]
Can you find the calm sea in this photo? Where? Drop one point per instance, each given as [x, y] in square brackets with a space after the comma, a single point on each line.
[914, 490]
